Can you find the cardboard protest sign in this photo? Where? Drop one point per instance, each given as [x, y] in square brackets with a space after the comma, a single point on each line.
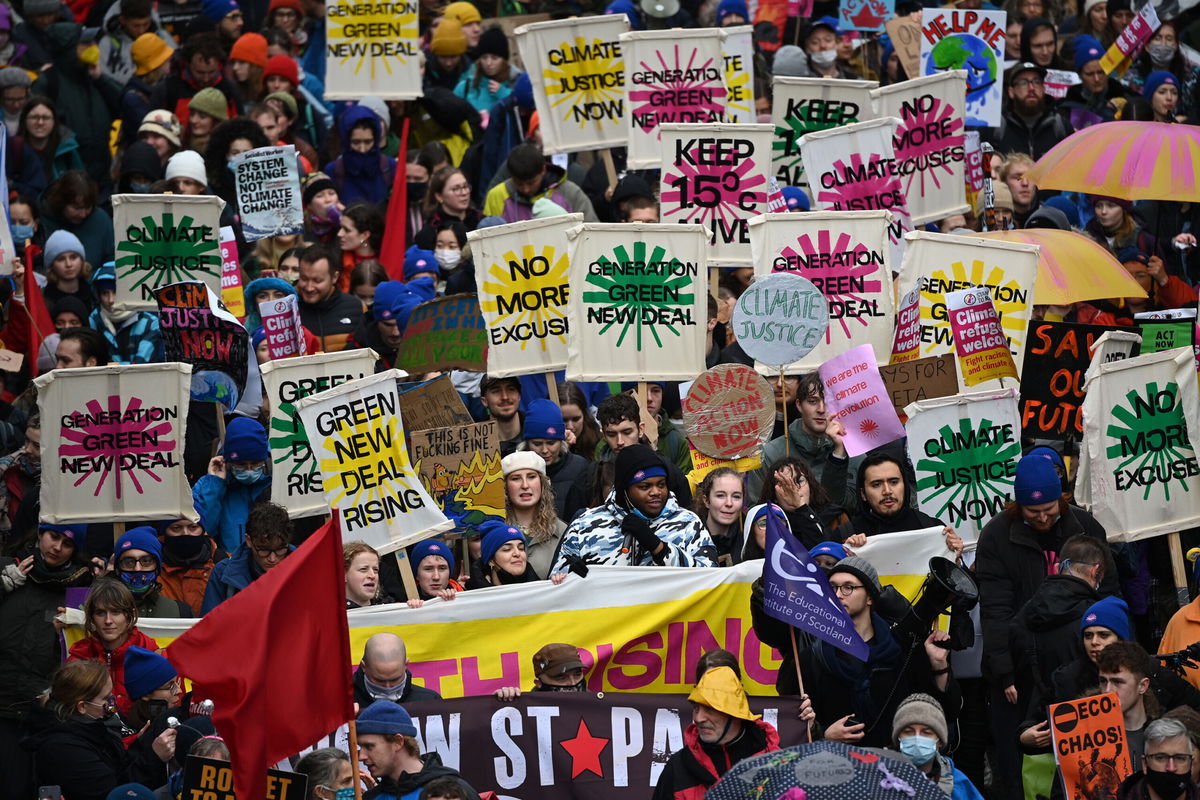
[847, 256]
[268, 192]
[780, 318]
[1057, 355]
[972, 41]
[800, 106]
[432, 404]
[905, 33]
[232, 294]
[729, 412]
[937, 263]
[521, 272]
[737, 49]
[716, 174]
[444, 333]
[638, 304]
[372, 49]
[854, 168]
[670, 76]
[212, 779]
[1142, 477]
[979, 340]
[460, 469]
[929, 142]
[357, 438]
[919, 379]
[163, 239]
[296, 482]
[112, 443]
[1131, 40]
[856, 397]
[964, 450]
[1090, 745]
[866, 15]
[281, 321]
[906, 344]
[197, 330]
[578, 76]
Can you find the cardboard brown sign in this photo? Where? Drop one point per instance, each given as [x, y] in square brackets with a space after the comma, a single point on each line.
[920, 379]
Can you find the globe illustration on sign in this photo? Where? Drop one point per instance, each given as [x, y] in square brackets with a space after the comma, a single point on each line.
[970, 53]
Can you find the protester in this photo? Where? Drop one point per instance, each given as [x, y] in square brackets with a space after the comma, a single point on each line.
[1166, 765]
[719, 504]
[622, 425]
[546, 434]
[434, 565]
[388, 748]
[331, 314]
[137, 562]
[919, 731]
[383, 674]
[266, 542]
[111, 615]
[188, 557]
[556, 668]
[530, 502]
[502, 399]
[362, 575]
[234, 483]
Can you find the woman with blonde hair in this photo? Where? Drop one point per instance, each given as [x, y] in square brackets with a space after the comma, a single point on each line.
[529, 507]
[362, 575]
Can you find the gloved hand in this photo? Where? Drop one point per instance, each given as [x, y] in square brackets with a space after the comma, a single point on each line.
[639, 529]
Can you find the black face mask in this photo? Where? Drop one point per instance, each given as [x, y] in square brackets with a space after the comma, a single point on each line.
[574, 687]
[416, 191]
[1168, 785]
[184, 548]
[156, 707]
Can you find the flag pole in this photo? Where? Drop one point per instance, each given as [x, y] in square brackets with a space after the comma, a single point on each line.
[1177, 570]
[354, 765]
[799, 679]
[787, 439]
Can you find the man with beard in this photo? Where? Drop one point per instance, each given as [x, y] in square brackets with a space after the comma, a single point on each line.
[1029, 124]
[502, 399]
[885, 504]
[556, 668]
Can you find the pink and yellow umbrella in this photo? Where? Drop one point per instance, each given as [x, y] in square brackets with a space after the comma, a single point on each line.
[1071, 267]
[1130, 160]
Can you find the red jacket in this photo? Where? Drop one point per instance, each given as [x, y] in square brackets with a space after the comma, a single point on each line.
[91, 649]
[689, 772]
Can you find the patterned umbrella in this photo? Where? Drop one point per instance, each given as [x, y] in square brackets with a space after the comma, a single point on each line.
[1071, 267]
[825, 771]
[1130, 160]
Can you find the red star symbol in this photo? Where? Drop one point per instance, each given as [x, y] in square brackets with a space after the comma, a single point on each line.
[585, 751]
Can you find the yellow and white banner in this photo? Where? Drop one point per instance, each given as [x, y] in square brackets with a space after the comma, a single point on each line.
[372, 49]
[902, 558]
[737, 47]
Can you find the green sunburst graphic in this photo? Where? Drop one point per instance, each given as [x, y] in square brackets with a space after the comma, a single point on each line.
[647, 295]
[785, 147]
[1152, 443]
[971, 467]
[168, 253]
[290, 440]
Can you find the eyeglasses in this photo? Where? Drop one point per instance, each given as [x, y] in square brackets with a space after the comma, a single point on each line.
[266, 552]
[129, 562]
[1164, 759]
[1023, 82]
[466, 187]
[845, 589]
[109, 702]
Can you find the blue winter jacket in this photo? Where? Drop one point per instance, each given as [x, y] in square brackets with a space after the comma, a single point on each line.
[224, 506]
[230, 576]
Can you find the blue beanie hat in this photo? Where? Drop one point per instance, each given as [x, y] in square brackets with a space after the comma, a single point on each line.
[728, 7]
[61, 242]
[522, 91]
[386, 294]
[246, 440]
[263, 284]
[258, 337]
[1111, 613]
[1087, 48]
[629, 9]
[495, 534]
[795, 198]
[77, 532]
[417, 261]
[1037, 483]
[145, 671]
[432, 547]
[131, 791]
[1153, 81]
[385, 718]
[217, 10]
[416, 292]
[829, 549]
[106, 273]
[142, 538]
[761, 511]
[1064, 205]
[1052, 455]
[1132, 253]
[491, 222]
[886, 48]
[544, 420]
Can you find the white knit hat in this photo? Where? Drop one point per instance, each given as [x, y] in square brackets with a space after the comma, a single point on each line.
[522, 459]
[187, 164]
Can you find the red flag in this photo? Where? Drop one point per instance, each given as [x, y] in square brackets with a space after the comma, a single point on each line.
[27, 328]
[395, 229]
[275, 660]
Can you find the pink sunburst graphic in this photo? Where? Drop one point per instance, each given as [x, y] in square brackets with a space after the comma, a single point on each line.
[926, 128]
[716, 195]
[841, 270]
[868, 427]
[867, 186]
[121, 442]
[679, 91]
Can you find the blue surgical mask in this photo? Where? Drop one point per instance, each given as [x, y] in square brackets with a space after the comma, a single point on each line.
[138, 582]
[21, 233]
[249, 476]
[344, 794]
[137, 187]
[919, 749]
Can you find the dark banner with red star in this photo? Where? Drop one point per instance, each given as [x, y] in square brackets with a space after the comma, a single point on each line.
[559, 745]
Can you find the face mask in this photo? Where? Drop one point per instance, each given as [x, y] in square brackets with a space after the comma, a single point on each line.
[184, 548]
[344, 794]
[137, 187]
[1161, 54]
[393, 693]
[138, 582]
[156, 707]
[448, 259]
[248, 476]
[574, 687]
[824, 58]
[21, 233]
[920, 749]
[1167, 785]
[416, 190]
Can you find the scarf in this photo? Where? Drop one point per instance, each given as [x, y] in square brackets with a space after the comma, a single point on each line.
[855, 676]
[69, 574]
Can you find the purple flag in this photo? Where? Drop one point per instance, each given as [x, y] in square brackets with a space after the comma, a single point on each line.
[796, 591]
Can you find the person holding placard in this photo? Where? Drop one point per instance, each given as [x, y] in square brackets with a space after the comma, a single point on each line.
[435, 566]
[885, 505]
[110, 621]
[503, 559]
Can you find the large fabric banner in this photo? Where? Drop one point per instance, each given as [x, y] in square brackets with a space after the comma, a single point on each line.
[112, 443]
[372, 50]
[268, 192]
[1138, 471]
[578, 77]
[847, 256]
[357, 439]
[972, 41]
[854, 168]
[670, 76]
[716, 174]
[800, 106]
[737, 45]
[964, 450]
[163, 239]
[296, 481]
[639, 305]
[929, 142]
[521, 272]
[937, 263]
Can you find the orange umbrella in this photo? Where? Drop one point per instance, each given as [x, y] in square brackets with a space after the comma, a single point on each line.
[1071, 267]
[1130, 160]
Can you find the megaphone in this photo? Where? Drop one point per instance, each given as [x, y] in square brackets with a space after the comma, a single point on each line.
[947, 587]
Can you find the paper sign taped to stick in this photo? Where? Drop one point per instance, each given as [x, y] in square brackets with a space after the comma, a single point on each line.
[803, 105]
[856, 397]
[268, 192]
[979, 340]
[780, 318]
[443, 334]
[232, 293]
[281, 322]
[729, 412]
[737, 48]
[163, 239]
[460, 469]
[906, 344]
[357, 437]
[198, 330]
[112, 443]
[973, 41]
[372, 50]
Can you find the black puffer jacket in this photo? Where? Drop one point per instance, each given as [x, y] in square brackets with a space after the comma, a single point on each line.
[410, 783]
[571, 478]
[1045, 633]
[85, 757]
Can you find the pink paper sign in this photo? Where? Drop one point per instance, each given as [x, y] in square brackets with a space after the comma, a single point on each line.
[231, 276]
[855, 396]
[982, 348]
[907, 344]
[281, 321]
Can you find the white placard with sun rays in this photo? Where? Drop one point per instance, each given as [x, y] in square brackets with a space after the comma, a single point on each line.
[372, 50]
[578, 77]
[357, 436]
[847, 256]
[521, 272]
[737, 47]
[940, 263]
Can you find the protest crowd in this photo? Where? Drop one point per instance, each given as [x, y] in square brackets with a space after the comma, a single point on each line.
[782, 384]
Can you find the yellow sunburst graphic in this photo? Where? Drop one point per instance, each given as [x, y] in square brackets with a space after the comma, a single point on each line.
[369, 462]
[584, 79]
[526, 297]
[374, 34]
[1010, 298]
[737, 88]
